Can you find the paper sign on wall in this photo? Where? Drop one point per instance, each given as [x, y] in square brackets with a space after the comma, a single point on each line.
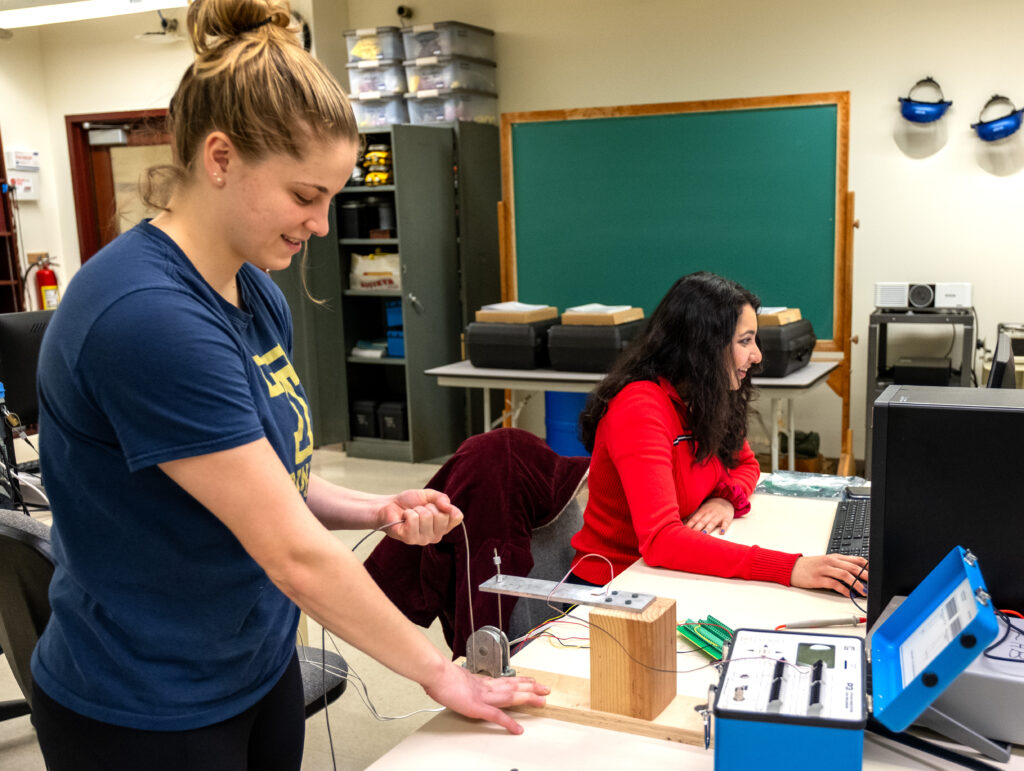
[25, 184]
[23, 160]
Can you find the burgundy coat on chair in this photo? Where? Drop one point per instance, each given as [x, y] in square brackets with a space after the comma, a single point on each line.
[506, 482]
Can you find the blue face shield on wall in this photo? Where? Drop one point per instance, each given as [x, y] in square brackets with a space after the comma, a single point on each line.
[923, 112]
[1001, 127]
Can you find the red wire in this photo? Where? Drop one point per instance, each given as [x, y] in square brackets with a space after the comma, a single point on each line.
[1012, 613]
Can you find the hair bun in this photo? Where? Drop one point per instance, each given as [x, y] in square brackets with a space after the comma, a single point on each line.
[213, 23]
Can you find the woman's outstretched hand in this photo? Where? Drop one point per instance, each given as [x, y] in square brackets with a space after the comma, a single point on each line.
[838, 572]
[483, 697]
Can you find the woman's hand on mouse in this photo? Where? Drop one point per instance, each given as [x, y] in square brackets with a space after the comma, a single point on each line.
[484, 697]
[838, 572]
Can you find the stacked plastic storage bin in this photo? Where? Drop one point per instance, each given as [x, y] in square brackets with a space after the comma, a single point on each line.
[376, 76]
[396, 338]
[451, 73]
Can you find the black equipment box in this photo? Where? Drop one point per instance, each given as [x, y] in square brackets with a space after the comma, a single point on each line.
[922, 370]
[364, 418]
[585, 348]
[785, 348]
[509, 346]
[392, 419]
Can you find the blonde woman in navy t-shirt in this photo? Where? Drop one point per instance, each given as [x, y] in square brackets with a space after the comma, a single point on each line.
[176, 445]
[670, 463]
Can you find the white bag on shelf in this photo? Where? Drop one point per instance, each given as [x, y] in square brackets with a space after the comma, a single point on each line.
[375, 271]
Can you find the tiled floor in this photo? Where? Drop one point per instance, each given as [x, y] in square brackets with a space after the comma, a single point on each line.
[358, 738]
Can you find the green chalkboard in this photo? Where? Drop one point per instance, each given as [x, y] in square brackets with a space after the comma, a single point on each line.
[613, 208]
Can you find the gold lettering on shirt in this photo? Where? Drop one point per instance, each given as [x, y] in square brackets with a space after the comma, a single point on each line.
[282, 379]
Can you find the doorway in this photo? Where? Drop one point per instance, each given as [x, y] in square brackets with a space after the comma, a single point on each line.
[108, 154]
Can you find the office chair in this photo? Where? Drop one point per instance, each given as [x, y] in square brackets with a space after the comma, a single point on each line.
[26, 567]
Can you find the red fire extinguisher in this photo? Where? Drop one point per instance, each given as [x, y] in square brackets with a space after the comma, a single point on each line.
[47, 292]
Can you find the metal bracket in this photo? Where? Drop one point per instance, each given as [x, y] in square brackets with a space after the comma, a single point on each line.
[487, 653]
[574, 594]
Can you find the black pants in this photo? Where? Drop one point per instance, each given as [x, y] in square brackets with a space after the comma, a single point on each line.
[267, 736]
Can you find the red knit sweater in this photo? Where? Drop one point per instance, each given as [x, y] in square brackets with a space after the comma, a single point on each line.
[644, 482]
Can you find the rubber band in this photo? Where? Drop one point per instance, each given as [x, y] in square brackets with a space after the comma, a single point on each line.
[257, 25]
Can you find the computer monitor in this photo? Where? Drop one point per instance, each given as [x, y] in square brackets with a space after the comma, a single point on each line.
[945, 472]
[1003, 372]
[21, 334]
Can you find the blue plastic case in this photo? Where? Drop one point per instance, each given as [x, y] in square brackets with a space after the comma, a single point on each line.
[917, 652]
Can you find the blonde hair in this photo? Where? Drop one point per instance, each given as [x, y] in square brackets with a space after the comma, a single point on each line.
[252, 80]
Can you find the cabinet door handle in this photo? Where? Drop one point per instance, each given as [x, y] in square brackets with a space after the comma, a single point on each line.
[414, 301]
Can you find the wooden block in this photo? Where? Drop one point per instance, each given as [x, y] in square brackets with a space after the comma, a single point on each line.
[780, 318]
[569, 700]
[603, 319]
[641, 683]
[517, 317]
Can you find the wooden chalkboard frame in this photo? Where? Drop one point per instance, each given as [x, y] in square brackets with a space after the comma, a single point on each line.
[839, 342]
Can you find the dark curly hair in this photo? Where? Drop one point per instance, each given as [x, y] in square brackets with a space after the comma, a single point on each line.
[686, 342]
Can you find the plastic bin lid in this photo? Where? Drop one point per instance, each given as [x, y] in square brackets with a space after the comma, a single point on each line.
[945, 623]
[426, 61]
[418, 28]
[373, 64]
[374, 96]
[436, 93]
[369, 31]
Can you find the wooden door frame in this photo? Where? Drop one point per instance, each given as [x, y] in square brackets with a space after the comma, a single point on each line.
[91, 215]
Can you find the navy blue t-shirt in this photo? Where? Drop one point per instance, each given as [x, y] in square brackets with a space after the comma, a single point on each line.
[160, 619]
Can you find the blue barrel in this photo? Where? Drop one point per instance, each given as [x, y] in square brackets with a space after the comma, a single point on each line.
[561, 422]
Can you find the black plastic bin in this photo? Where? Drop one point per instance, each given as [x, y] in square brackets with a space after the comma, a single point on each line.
[364, 418]
[585, 348]
[509, 346]
[393, 421]
[786, 348]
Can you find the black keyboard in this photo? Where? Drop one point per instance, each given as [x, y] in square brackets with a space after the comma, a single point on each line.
[851, 528]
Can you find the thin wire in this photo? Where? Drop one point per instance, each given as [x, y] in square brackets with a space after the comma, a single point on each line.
[497, 566]
[323, 690]
[554, 589]
[377, 530]
[24, 438]
[351, 675]
[852, 598]
[469, 580]
[1009, 626]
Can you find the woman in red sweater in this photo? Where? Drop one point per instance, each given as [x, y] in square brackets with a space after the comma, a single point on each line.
[670, 462]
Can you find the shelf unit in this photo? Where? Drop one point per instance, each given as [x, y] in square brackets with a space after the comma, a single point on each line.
[11, 294]
[881, 372]
[449, 257]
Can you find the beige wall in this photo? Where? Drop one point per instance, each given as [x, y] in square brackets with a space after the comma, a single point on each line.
[22, 126]
[941, 218]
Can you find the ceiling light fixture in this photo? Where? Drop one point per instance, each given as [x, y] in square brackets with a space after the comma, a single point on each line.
[58, 12]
